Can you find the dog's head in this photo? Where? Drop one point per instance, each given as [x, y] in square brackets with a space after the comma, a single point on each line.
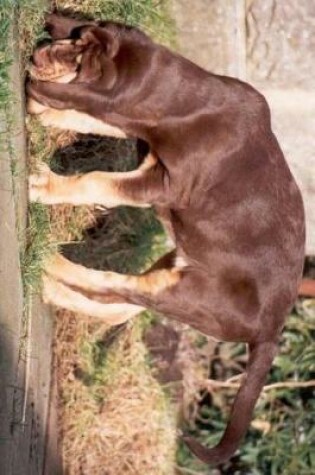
[95, 58]
[56, 62]
[87, 57]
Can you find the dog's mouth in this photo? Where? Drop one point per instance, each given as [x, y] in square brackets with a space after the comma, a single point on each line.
[57, 62]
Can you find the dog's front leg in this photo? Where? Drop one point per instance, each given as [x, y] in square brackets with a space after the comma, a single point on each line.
[61, 113]
[142, 187]
[73, 120]
[59, 95]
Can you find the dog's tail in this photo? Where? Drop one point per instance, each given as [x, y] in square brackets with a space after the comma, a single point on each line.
[261, 356]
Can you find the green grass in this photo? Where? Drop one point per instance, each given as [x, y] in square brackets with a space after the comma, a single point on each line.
[6, 57]
[150, 15]
[35, 242]
[38, 248]
[31, 20]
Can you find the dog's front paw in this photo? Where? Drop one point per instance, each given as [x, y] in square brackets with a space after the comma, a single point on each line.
[51, 118]
[35, 108]
[41, 184]
[49, 290]
[52, 291]
[46, 115]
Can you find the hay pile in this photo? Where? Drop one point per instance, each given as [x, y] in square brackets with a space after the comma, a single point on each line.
[114, 416]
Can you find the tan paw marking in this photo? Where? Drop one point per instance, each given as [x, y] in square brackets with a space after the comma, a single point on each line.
[34, 107]
[50, 291]
[40, 183]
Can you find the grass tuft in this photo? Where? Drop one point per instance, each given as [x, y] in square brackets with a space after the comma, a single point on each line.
[31, 19]
[150, 15]
[6, 58]
[38, 248]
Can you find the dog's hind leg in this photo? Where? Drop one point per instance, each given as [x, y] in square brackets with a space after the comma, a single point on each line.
[95, 281]
[104, 294]
[112, 312]
[166, 288]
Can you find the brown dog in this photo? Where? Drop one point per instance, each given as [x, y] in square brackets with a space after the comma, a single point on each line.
[216, 173]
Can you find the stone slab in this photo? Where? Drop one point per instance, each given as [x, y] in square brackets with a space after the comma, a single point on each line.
[11, 308]
[25, 348]
[293, 120]
[280, 43]
[210, 33]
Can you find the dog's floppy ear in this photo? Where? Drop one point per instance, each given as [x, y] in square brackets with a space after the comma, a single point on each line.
[91, 66]
[102, 37]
